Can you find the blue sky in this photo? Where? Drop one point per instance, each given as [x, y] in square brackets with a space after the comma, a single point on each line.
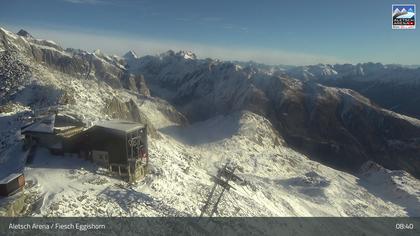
[273, 32]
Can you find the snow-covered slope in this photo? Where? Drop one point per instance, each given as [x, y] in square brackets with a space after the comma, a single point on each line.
[278, 180]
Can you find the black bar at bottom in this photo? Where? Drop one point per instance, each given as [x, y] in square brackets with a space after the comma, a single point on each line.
[215, 226]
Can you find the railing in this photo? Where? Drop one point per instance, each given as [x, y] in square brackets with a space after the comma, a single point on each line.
[119, 166]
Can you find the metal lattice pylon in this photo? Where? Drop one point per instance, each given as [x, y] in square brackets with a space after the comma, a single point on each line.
[221, 184]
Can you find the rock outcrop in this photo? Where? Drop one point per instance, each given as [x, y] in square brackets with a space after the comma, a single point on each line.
[129, 110]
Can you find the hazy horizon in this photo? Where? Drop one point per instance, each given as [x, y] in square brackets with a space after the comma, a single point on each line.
[326, 33]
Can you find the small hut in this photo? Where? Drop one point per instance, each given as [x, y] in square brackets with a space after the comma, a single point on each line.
[54, 132]
[11, 184]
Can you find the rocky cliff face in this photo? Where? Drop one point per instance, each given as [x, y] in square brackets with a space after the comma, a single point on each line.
[135, 83]
[118, 109]
[13, 74]
[74, 62]
[39, 73]
[343, 128]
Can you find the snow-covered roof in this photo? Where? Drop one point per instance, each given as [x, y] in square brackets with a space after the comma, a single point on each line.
[120, 125]
[9, 178]
[45, 125]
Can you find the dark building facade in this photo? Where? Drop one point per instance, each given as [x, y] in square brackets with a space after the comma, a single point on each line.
[120, 146]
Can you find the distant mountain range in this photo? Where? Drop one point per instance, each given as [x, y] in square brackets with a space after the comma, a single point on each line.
[391, 86]
[333, 125]
[394, 87]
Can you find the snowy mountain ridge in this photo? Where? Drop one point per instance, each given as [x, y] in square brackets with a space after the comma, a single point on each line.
[204, 112]
[201, 89]
[391, 86]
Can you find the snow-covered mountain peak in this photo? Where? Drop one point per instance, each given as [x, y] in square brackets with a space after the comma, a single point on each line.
[130, 55]
[184, 55]
[169, 53]
[98, 52]
[25, 34]
[188, 55]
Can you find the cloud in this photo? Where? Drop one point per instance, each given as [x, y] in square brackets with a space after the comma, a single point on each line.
[184, 19]
[92, 2]
[211, 19]
[102, 2]
[113, 43]
[233, 27]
